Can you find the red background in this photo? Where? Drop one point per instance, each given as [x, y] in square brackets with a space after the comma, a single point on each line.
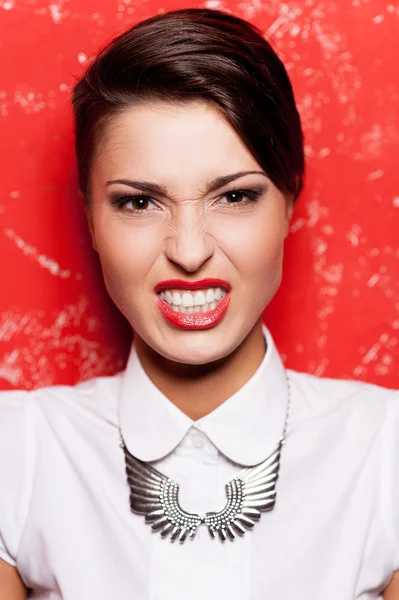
[336, 313]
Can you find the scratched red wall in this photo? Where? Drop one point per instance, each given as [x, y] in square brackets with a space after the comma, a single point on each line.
[336, 313]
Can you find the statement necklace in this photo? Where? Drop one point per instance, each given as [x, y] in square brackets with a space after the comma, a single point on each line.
[252, 491]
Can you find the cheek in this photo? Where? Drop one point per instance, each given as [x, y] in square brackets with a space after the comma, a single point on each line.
[127, 252]
[255, 247]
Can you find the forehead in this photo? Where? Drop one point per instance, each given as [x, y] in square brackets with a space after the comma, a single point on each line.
[169, 142]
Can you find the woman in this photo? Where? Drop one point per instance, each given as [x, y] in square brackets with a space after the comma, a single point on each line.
[146, 484]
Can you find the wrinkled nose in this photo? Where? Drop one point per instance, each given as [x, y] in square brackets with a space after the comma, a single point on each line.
[189, 247]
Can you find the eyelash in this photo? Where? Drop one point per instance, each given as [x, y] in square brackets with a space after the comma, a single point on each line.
[120, 201]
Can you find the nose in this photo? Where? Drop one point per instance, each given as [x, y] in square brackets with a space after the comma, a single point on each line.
[189, 245]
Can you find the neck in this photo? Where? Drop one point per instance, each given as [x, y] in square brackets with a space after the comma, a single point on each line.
[198, 389]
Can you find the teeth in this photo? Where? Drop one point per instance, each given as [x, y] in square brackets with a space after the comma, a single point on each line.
[176, 299]
[199, 299]
[187, 300]
[194, 309]
[210, 296]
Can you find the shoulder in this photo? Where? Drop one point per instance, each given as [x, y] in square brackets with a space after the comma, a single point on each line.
[16, 469]
[358, 422]
[26, 417]
[350, 403]
[15, 409]
[33, 419]
[94, 398]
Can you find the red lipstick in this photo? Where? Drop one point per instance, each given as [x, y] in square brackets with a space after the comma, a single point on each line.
[171, 284]
[194, 320]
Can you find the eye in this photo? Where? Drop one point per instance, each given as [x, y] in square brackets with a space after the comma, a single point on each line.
[245, 196]
[137, 202]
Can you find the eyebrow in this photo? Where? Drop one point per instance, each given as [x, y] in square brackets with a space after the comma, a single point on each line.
[211, 186]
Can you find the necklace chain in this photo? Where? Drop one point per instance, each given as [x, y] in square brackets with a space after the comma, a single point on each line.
[249, 493]
[287, 413]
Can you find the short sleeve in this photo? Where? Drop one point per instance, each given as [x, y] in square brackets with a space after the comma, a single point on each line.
[396, 478]
[390, 475]
[16, 469]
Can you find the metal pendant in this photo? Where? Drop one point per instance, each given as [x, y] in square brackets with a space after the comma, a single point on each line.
[154, 495]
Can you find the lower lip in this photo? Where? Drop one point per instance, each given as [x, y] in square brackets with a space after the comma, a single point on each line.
[195, 320]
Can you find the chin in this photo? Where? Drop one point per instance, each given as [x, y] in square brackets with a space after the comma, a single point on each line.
[198, 357]
[189, 346]
[197, 347]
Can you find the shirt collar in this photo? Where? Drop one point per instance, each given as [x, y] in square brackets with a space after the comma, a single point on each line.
[246, 427]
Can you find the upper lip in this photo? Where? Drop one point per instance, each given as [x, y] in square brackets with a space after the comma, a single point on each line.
[192, 285]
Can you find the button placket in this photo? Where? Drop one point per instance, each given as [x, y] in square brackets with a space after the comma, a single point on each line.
[198, 439]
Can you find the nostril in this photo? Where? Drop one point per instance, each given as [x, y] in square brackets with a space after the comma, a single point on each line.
[189, 251]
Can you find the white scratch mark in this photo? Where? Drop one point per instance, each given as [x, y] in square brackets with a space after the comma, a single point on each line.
[212, 4]
[320, 247]
[44, 261]
[353, 235]
[386, 359]
[378, 19]
[372, 353]
[324, 152]
[32, 102]
[55, 12]
[315, 213]
[375, 175]
[332, 274]
[43, 344]
[373, 280]
[346, 55]
[325, 311]
[328, 42]
[271, 30]
[320, 369]
[379, 354]
[372, 140]
[295, 30]
[10, 374]
[359, 370]
[328, 229]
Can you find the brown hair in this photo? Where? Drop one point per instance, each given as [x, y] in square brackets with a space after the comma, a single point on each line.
[188, 54]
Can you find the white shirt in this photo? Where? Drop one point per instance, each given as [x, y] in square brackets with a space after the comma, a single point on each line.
[333, 534]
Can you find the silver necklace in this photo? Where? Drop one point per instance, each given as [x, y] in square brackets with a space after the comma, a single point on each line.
[251, 492]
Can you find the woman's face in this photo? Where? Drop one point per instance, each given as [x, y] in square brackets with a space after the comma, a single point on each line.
[158, 250]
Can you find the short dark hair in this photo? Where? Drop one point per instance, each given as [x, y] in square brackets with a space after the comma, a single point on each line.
[189, 54]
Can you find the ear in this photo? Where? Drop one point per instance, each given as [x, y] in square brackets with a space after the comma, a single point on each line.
[89, 218]
[290, 204]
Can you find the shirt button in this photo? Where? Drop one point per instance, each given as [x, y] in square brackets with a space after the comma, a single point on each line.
[198, 439]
